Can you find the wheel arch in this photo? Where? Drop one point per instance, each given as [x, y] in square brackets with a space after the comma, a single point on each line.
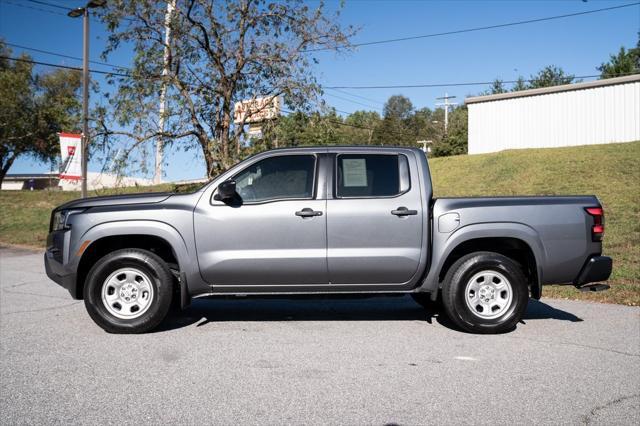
[517, 241]
[157, 237]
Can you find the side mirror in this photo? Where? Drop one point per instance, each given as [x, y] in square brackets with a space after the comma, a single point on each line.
[226, 190]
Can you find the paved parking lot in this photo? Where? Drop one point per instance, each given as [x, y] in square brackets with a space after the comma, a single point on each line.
[345, 361]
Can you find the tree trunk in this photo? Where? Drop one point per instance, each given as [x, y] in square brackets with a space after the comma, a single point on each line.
[6, 163]
[210, 160]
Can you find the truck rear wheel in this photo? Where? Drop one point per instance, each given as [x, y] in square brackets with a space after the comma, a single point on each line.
[485, 292]
[128, 291]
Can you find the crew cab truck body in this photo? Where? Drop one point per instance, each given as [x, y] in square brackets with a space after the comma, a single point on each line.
[323, 220]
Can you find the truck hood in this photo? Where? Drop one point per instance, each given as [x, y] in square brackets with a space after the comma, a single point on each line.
[116, 200]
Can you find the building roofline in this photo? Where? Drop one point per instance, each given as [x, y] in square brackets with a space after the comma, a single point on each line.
[555, 89]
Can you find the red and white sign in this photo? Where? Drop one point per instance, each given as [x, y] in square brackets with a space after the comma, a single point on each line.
[70, 148]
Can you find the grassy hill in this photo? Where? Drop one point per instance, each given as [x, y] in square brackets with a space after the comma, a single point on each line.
[611, 172]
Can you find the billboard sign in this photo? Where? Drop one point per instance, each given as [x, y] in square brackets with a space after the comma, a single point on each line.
[71, 152]
[256, 110]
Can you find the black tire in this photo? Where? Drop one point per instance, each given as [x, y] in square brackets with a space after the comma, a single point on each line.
[160, 279]
[455, 285]
[424, 300]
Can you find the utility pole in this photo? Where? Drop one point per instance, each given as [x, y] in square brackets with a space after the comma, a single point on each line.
[446, 104]
[85, 101]
[157, 176]
[84, 142]
[425, 145]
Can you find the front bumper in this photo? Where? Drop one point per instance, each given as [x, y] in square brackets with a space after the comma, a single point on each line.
[66, 281]
[597, 268]
[54, 262]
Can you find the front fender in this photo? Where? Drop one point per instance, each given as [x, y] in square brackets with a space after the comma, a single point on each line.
[190, 284]
[140, 227]
[444, 244]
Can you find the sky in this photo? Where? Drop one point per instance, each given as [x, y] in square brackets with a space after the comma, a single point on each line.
[577, 44]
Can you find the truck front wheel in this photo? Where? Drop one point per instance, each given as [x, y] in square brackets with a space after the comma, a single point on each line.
[128, 291]
[485, 292]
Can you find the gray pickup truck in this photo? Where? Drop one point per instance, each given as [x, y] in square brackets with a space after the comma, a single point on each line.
[348, 220]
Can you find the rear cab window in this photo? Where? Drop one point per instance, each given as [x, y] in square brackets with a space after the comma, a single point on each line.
[371, 175]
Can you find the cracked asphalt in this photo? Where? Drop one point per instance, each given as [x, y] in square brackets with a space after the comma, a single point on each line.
[310, 361]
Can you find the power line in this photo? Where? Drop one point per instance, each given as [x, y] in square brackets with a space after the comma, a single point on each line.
[48, 52]
[410, 86]
[34, 8]
[483, 28]
[476, 83]
[30, 61]
[44, 3]
[355, 96]
[67, 9]
[352, 101]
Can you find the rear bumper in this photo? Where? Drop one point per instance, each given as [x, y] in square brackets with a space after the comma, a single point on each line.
[597, 268]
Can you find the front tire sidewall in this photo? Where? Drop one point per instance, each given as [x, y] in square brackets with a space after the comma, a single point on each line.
[456, 282]
[161, 281]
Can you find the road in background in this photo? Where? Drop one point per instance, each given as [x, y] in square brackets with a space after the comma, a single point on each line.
[337, 361]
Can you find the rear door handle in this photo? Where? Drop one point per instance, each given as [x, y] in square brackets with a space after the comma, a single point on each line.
[403, 211]
[307, 212]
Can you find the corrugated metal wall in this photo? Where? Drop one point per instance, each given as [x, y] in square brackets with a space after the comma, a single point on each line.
[579, 117]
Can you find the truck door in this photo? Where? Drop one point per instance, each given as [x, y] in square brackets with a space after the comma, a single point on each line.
[374, 219]
[275, 234]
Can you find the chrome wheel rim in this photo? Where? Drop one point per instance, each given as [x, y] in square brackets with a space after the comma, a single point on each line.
[127, 293]
[488, 294]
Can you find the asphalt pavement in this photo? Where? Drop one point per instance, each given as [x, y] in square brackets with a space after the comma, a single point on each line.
[379, 361]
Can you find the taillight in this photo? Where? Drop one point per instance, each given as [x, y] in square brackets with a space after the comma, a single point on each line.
[597, 230]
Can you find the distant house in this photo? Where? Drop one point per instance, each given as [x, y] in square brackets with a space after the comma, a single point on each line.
[27, 181]
[595, 112]
[35, 181]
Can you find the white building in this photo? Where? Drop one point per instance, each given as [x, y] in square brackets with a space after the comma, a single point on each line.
[596, 112]
[18, 182]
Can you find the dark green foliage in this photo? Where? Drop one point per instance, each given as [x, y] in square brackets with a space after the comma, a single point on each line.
[623, 63]
[33, 109]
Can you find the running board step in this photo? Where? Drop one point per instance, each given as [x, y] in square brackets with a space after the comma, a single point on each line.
[594, 287]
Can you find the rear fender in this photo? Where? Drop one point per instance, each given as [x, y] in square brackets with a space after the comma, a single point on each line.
[444, 245]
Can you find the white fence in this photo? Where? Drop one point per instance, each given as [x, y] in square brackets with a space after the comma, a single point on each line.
[602, 111]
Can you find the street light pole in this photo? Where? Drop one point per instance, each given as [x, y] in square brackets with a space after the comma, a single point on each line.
[84, 142]
[85, 100]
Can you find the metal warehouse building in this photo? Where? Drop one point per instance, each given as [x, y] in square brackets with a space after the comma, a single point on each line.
[602, 111]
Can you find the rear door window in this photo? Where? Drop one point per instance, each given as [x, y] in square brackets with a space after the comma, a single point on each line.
[368, 175]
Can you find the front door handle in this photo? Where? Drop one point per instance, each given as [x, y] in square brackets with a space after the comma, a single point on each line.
[403, 211]
[307, 212]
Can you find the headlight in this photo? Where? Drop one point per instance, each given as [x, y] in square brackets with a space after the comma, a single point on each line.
[59, 219]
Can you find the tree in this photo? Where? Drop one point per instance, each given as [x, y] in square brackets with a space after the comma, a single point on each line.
[360, 126]
[219, 53]
[395, 127]
[550, 75]
[625, 62]
[33, 109]
[519, 85]
[497, 87]
[398, 107]
[455, 142]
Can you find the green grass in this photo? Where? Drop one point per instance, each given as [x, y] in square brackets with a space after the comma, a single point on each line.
[24, 220]
[611, 172]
